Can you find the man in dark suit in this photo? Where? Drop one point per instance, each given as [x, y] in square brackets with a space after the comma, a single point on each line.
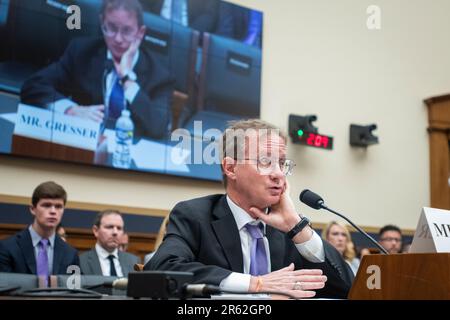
[105, 259]
[38, 249]
[198, 14]
[97, 78]
[252, 239]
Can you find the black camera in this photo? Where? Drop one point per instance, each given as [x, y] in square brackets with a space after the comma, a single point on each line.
[362, 136]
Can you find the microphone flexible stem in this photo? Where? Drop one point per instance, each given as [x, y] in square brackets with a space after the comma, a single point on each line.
[383, 250]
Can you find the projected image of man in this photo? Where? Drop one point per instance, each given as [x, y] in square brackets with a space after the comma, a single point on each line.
[97, 78]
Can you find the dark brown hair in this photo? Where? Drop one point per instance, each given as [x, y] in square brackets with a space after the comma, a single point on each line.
[128, 5]
[233, 140]
[101, 214]
[48, 190]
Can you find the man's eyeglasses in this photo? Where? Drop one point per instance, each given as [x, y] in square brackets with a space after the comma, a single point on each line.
[266, 165]
[128, 34]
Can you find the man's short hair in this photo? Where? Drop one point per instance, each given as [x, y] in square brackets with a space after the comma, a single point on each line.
[48, 190]
[389, 227]
[101, 214]
[128, 5]
[233, 144]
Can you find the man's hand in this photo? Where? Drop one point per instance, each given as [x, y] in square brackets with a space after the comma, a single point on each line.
[298, 283]
[94, 112]
[126, 62]
[282, 215]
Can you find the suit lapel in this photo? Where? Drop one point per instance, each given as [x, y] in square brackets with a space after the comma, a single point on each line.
[94, 263]
[123, 264]
[276, 247]
[26, 246]
[94, 78]
[57, 256]
[228, 235]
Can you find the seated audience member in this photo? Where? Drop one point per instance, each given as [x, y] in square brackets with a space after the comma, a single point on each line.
[106, 259]
[60, 231]
[391, 238]
[159, 239]
[252, 239]
[38, 249]
[339, 237]
[123, 242]
[97, 78]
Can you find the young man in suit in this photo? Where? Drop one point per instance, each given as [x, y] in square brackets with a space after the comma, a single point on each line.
[252, 239]
[106, 259]
[97, 78]
[38, 249]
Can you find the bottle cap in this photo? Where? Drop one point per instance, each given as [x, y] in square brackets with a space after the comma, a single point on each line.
[125, 113]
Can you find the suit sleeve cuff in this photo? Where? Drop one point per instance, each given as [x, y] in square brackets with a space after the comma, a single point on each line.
[312, 249]
[236, 282]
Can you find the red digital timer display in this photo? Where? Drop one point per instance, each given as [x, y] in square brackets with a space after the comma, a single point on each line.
[316, 140]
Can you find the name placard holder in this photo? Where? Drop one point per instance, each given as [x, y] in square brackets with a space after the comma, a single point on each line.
[42, 133]
[432, 232]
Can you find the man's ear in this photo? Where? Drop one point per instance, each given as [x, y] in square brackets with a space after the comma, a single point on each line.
[141, 32]
[95, 230]
[229, 167]
[32, 208]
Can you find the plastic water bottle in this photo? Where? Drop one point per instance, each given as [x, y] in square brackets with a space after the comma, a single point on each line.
[124, 139]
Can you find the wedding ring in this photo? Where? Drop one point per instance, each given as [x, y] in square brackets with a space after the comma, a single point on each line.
[297, 286]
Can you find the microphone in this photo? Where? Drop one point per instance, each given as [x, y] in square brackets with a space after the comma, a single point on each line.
[315, 201]
[201, 289]
[120, 284]
[190, 289]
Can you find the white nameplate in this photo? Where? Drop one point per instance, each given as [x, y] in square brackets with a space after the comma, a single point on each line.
[433, 231]
[54, 127]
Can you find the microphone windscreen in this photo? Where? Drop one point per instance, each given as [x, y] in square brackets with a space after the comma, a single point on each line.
[121, 284]
[311, 199]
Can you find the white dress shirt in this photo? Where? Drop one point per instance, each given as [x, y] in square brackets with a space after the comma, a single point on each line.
[311, 250]
[104, 261]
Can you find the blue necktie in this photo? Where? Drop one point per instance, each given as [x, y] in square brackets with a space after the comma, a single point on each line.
[116, 100]
[258, 255]
[42, 261]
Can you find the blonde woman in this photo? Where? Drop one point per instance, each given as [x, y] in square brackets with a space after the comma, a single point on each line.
[339, 237]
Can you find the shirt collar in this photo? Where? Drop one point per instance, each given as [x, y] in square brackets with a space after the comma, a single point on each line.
[35, 237]
[241, 216]
[103, 254]
[135, 59]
